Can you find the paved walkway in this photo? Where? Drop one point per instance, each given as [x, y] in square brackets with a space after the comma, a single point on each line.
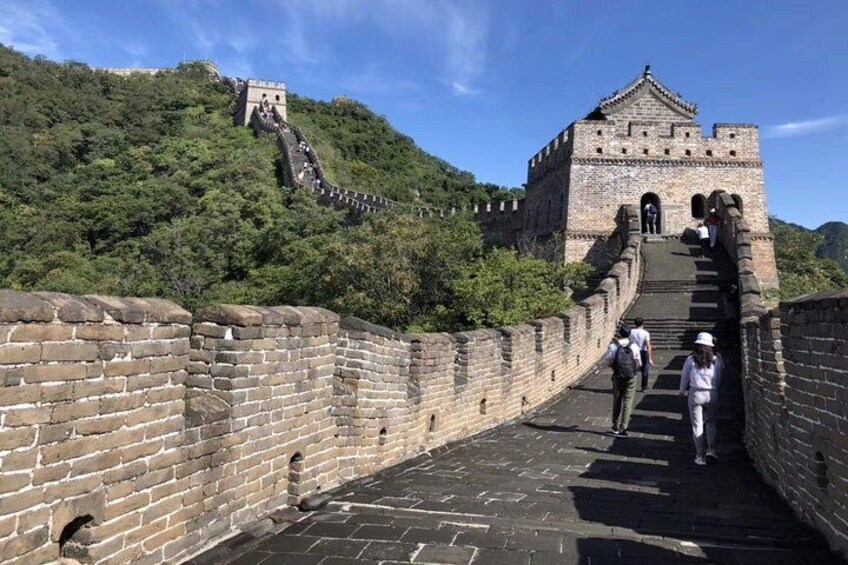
[556, 488]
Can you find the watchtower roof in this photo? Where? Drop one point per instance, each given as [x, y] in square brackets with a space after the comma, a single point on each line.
[645, 84]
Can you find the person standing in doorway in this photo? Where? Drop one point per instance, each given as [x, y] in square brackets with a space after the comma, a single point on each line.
[713, 223]
[641, 338]
[701, 377]
[623, 357]
[704, 238]
[651, 217]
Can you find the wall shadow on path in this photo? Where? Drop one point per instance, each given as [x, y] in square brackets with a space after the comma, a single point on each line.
[648, 487]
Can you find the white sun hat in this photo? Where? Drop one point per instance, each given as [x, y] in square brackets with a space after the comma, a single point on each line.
[705, 338]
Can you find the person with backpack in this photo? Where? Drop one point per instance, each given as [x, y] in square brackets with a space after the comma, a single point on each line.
[624, 358]
[651, 216]
[701, 377]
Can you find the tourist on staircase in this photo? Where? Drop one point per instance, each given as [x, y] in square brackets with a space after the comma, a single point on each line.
[642, 339]
[701, 377]
[624, 358]
[704, 238]
[713, 223]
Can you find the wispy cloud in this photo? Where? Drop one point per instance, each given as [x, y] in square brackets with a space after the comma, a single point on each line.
[30, 27]
[450, 34]
[808, 127]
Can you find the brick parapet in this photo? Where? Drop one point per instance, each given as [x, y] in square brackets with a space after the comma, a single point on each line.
[794, 373]
[168, 433]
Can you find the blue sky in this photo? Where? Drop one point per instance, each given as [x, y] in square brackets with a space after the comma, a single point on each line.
[485, 83]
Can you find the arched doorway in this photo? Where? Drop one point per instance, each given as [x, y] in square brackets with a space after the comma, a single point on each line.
[699, 206]
[650, 198]
[738, 201]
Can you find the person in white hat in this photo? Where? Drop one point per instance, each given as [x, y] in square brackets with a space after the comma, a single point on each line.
[701, 377]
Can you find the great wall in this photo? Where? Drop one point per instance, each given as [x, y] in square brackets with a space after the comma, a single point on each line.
[134, 431]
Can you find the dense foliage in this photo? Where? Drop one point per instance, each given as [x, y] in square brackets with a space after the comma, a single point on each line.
[141, 186]
[360, 150]
[800, 270]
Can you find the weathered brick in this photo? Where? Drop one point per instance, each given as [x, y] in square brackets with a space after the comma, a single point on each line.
[17, 354]
[69, 352]
[99, 332]
[27, 416]
[127, 368]
[74, 411]
[50, 473]
[42, 332]
[14, 439]
[20, 394]
[66, 372]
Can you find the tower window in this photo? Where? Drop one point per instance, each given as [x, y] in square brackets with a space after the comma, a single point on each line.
[624, 151]
[709, 152]
[686, 134]
[732, 136]
[688, 152]
[599, 150]
[645, 151]
[600, 132]
[733, 153]
[644, 134]
[667, 151]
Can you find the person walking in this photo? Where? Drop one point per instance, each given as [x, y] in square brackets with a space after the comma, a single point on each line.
[713, 223]
[642, 339]
[701, 377]
[651, 216]
[623, 356]
[704, 238]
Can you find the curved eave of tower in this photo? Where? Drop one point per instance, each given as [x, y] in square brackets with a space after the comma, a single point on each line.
[620, 98]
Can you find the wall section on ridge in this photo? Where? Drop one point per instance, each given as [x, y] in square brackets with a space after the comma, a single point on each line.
[130, 432]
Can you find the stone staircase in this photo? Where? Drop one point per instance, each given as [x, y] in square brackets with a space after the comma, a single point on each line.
[681, 294]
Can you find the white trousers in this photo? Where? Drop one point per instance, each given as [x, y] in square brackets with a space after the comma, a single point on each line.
[703, 405]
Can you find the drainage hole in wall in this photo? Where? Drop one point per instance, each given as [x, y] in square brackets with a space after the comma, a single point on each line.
[383, 435]
[69, 539]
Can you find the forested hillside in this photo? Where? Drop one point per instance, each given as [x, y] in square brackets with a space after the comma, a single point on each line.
[801, 270]
[142, 186]
[361, 150]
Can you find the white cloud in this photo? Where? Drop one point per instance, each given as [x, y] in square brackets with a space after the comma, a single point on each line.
[30, 27]
[451, 34]
[807, 127]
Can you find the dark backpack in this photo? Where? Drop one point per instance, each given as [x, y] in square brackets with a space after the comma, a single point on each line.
[624, 365]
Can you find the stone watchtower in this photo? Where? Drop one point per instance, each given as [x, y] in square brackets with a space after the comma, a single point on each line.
[257, 92]
[637, 146]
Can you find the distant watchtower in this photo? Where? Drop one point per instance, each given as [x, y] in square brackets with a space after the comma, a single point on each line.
[258, 92]
[640, 145]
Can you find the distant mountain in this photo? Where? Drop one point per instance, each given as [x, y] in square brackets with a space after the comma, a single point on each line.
[835, 244]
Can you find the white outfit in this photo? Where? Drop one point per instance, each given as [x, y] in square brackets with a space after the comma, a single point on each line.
[703, 232]
[640, 337]
[702, 383]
